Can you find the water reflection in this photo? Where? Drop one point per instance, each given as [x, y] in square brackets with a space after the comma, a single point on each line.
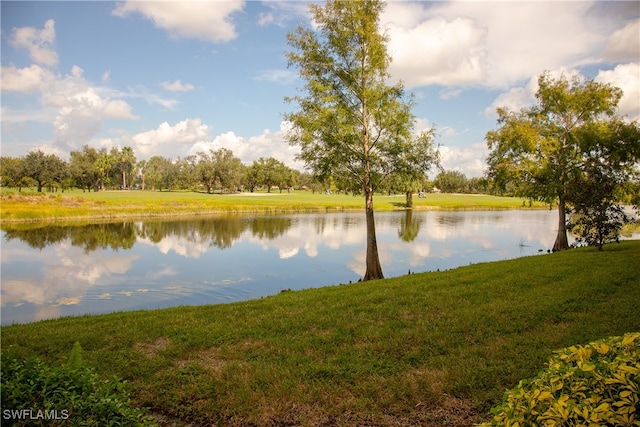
[409, 227]
[55, 270]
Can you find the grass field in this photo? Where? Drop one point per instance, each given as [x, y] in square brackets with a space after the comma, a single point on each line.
[430, 349]
[29, 206]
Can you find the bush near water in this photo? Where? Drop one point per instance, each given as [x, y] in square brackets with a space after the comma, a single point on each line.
[591, 385]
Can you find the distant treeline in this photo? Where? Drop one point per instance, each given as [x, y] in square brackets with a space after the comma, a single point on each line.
[91, 169]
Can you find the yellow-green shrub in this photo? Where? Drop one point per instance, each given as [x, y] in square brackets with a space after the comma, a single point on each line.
[592, 385]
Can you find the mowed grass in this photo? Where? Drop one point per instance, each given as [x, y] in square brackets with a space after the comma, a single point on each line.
[29, 206]
[430, 349]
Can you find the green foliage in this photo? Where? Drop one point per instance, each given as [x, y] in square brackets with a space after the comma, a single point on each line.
[268, 173]
[82, 168]
[451, 182]
[75, 358]
[35, 393]
[608, 167]
[45, 169]
[597, 217]
[351, 124]
[543, 148]
[594, 384]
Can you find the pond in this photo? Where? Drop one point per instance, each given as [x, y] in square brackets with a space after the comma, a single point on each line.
[62, 270]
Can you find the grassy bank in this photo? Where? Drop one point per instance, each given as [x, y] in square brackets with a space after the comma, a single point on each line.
[426, 349]
[121, 204]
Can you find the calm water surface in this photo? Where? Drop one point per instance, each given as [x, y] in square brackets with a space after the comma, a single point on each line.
[57, 271]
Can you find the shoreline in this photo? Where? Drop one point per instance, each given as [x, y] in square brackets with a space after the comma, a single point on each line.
[119, 205]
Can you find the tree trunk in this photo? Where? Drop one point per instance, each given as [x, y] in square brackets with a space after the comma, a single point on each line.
[409, 203]
[374, 270]
[561, 242]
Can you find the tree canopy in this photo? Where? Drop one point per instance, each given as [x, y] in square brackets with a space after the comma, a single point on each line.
[351, 124]
[544, 149]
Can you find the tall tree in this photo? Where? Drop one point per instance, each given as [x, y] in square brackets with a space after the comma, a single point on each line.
[423, 156]
[157, 172]
[350, 124]
[142, 168]
[126, 163]
[11, 172]
[185, 172]
[540, 147]
[267, 172]
[45, 169]
[103, 165]
[229, 169]
[206, 170]
[82, 166]
[451, 182]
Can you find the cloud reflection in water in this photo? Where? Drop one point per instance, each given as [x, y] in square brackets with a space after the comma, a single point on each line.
[68, 270]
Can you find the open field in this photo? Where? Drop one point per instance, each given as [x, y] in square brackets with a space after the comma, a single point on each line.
[430, 349]
[29, 206]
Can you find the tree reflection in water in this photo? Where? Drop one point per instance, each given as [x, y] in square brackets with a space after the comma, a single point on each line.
[73, 268]
[219, 231]
[409, 227]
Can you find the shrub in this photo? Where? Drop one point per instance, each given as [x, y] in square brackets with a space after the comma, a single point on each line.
[592, 385]
[34, 393]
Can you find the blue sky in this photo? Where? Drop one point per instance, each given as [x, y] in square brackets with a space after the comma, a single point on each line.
[174, 78]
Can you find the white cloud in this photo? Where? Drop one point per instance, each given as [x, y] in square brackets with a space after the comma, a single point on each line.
[168, 141]
[495, 44]
[451, 52]
[204, 20]
[421, 125]
[449, 94]
[281, 12]
[47, 149]
[277, 76]
[448, 132]
[624, 44]
[117, 109]
[80, 109]
[39, 43]
[469, 161]
[515, 98]
[265, 19]
[152, 98]
[177, 86]
[73, 106]
[627, 78]
[267, 144]
[28, 79]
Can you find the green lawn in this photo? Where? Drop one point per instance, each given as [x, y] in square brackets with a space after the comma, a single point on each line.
[30, 206]
[435, 348]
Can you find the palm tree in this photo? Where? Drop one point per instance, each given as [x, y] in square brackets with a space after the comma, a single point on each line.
[126, 161]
